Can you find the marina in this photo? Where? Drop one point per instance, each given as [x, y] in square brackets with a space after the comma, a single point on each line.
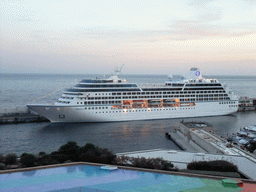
[193, 138]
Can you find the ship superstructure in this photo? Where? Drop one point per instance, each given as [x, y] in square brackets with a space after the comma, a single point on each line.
[114, 99]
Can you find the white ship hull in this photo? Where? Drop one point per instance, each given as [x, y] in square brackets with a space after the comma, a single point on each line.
[75, 114]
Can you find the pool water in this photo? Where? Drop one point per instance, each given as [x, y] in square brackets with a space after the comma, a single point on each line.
[86, 178]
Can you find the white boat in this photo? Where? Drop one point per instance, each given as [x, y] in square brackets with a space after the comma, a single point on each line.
[109, 100]
[251, 128]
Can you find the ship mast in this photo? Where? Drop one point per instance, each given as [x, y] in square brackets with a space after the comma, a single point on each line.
[117, 72]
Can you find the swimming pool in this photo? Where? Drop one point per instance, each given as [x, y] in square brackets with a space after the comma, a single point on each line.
[87, 178]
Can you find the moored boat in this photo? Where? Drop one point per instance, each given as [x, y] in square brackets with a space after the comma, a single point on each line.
[114, 99]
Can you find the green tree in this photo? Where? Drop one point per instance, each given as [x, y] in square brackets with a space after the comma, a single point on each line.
[11, 159]
[70, 150]
[2, 166]
[2, 158]
[27, 160]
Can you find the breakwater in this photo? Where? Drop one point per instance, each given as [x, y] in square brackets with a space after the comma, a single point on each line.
[22, 117]
[246, 104]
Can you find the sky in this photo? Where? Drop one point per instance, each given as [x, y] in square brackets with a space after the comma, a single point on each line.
[148, 36]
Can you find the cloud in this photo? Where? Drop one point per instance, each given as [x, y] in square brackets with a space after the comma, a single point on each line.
[23, 19]
[250, 2]
[199, 2]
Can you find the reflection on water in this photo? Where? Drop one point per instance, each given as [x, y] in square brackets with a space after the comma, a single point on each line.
[29, 173]
[117, 137]
[71, 169]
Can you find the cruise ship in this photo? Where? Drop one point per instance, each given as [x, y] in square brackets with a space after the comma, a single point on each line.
[114, 99]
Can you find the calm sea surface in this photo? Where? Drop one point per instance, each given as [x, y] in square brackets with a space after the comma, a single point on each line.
[17, 90]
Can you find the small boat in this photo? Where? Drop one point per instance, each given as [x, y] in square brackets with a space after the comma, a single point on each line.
[243, 142]
[242, 134]
[201, 125]
[251, 128]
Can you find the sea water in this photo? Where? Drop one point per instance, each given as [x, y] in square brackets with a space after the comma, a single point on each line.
[17, 90]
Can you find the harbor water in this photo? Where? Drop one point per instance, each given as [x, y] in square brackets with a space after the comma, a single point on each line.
[18, 90]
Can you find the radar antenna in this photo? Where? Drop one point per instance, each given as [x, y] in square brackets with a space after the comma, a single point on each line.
[117, 72]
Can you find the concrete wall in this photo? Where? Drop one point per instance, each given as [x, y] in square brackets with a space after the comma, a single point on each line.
[206, 145]
[184, 130]
[200, 149]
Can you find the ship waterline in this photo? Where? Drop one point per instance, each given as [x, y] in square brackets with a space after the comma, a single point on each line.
[75, 114]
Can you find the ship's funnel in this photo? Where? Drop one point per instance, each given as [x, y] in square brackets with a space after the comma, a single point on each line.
[194, 73]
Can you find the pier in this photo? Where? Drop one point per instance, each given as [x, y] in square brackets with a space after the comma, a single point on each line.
[22, 117]
[198, 143]
[246, 104]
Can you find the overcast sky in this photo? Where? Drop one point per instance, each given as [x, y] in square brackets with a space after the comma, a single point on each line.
[148, 36]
